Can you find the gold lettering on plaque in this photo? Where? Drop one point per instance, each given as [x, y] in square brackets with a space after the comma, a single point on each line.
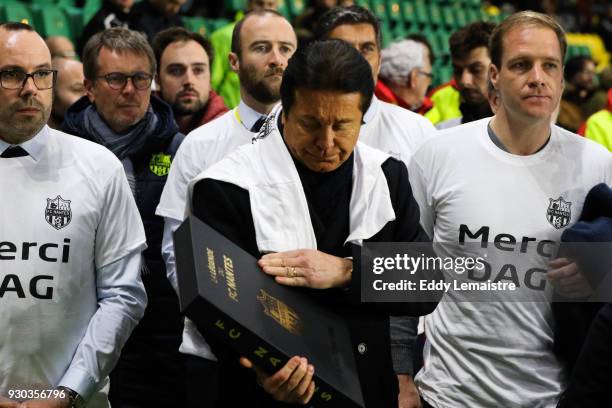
[280, 312]
[274, 361]
[326, 396]
[230, 279]
[234, 334]
[212, 269]
[220, 324]
[261, 352]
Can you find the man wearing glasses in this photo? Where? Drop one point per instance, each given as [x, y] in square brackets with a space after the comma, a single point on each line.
[120, 113]
[70, 245]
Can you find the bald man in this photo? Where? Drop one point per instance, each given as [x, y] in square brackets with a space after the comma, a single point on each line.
[60, 46]
[68, 88]
[72, 238]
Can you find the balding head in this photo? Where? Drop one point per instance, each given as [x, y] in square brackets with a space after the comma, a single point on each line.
[24, 108]
[60, 47]
[69, 87]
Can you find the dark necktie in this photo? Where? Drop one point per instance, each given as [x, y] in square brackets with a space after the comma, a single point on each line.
[13, 151]
[257, 126]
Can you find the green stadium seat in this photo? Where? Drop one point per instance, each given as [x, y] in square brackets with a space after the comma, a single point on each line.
[387, 34]
[17, 12]
[435, 14]
[461, 18]
[196, 24]
[394, 11]
[472, 15]
[399, 31]
[75, 19]
[90, 8]
[448, 15]
[283, 9]
[296, 7]
[379, 8]
[421, 13]
[444, 74]
[408, 13]
[51, 20]
[442, 40]
[432, 39]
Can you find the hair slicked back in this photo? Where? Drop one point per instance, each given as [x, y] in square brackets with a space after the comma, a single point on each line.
[331, 65]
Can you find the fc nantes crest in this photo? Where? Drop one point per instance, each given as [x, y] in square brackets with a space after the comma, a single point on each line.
[559, 212]
[160, 164]
[283, 314]
[58, 213]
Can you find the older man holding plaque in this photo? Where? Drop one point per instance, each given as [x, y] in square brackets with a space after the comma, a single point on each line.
[304, 194]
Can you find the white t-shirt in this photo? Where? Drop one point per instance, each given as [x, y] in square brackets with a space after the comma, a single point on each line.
[202, 148]
[497, 354]
[394, 130]
[65, 214]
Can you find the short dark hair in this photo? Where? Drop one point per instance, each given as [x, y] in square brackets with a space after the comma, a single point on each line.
[15, 26]
[338, 16]
[332, 65]
[238, 27]
[523, 19]
[420, 38]
[469, 37]
[179, 34]
[117, 39]
[574, 65]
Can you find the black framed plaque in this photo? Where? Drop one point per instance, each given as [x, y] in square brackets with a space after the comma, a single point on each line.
[226, 294]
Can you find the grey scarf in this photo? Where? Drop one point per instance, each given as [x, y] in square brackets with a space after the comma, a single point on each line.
[121, 145]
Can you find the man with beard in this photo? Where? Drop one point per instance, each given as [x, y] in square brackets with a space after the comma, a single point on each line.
[120, 113]
[70, 284]
[68, 88]
[262, 43]
[469, 47]
[184, 59]
[223, 79]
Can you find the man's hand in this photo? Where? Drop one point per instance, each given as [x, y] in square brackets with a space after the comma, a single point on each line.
[307, 267]
[568, 279]
[408, 394]
[8, 403]
[292, 383]
[46, 403]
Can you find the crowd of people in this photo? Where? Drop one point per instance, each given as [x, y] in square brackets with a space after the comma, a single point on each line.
[299, 143]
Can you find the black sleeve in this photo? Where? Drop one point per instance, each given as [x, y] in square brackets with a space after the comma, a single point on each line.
[227, 209]
[405, 228]
[591, 377]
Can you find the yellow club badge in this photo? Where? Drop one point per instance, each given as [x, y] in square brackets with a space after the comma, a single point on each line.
[160, 164]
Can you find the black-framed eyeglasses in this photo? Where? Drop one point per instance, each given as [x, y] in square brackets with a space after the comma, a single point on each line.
[117, 80]
[16, 78]
[429, 75]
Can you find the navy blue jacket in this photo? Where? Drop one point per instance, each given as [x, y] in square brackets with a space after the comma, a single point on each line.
[151, 163]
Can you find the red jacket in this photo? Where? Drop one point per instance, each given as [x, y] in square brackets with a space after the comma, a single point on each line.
[385, 94]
